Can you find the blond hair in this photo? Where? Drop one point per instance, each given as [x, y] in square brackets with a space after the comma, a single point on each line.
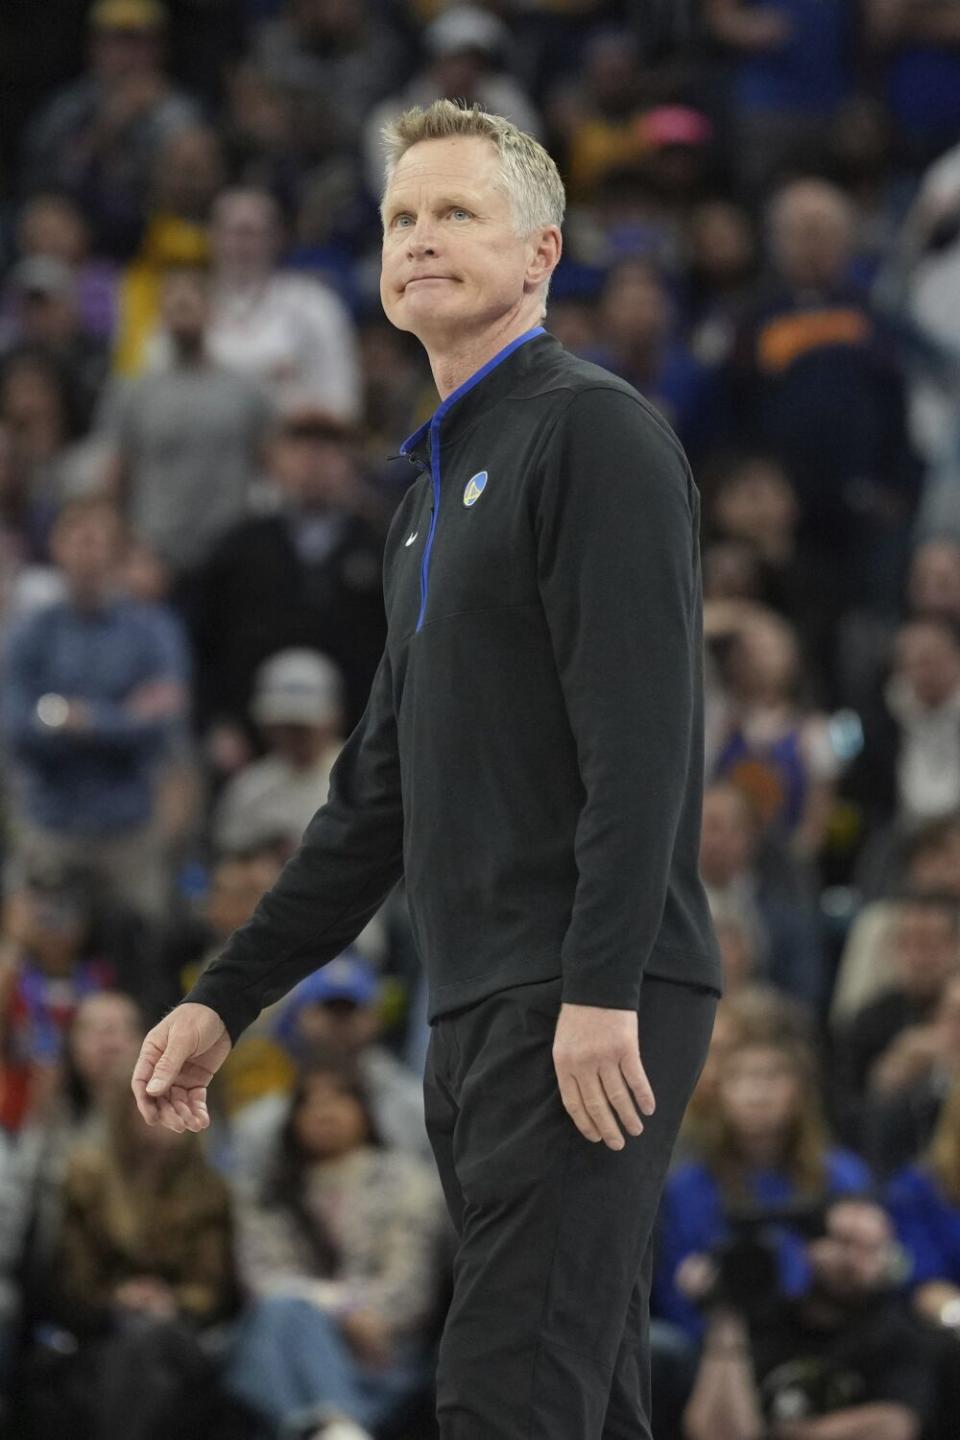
[805, 1140]
[528, 175]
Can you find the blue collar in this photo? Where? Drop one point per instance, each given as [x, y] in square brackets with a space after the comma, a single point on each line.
[461, 390]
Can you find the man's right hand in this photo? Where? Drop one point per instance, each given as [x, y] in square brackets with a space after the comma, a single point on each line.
[178, 1059]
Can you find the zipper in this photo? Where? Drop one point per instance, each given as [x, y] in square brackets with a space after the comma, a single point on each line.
[434, 432]
[435, 476]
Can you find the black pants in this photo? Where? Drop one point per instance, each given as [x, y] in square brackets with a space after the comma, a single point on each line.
[546, 1336]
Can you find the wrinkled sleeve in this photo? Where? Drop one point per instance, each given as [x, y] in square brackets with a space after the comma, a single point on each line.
[350, 857]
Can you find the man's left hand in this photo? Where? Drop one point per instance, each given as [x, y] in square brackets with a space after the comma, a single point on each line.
[596, 1054]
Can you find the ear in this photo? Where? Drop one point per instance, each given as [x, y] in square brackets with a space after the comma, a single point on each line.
[546, 247]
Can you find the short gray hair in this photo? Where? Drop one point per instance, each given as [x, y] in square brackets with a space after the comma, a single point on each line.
[528, 175]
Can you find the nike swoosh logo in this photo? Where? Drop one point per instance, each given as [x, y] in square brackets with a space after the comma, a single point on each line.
[410, 538]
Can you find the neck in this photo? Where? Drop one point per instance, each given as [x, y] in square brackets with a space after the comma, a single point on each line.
[761, 1152]
[89, 597]
[191, 350]
[454, 361]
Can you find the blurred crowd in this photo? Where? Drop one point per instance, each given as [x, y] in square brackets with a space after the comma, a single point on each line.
[201, 406]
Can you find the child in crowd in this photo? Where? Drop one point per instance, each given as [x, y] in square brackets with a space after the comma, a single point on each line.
[340, 1253]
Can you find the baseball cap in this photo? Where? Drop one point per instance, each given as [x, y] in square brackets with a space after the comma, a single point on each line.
[465, 27]
[675, 125]
[42, 275]
[349, 977]
[297, 687]
[128, 15]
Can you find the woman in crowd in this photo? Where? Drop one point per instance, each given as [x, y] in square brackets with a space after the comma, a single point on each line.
[143, 1267]
[771, 745]
[340, 1252]
[765, 1144]
[924, 1200]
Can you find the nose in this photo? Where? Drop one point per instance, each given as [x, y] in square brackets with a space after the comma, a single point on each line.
[421, 238]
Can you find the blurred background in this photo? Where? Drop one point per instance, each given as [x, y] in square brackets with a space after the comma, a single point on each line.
[201, 405]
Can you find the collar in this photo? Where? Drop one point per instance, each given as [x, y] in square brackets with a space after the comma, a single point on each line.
[468, 408]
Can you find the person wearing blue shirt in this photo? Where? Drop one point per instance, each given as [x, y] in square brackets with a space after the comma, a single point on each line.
[766, 1147]
[93, 688]
[924, 1201]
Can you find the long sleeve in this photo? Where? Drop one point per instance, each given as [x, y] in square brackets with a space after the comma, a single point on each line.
[617, 536]
[350, 857]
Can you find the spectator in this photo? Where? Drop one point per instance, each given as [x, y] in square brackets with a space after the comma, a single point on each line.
[143, 1266]
[791, 64]
[925, 1203]
[187, 172]
[929, 864]
[466, 49]
[919, 44]
[298, 708]
[722, 257]
[186, 442]
[288, 333]
[900, 1117]
[340, 1253]
[767, 1146]
[638, 340]
[761, 883]
[96, 139]
[817, 383]
[94, 688]
[752, 501]
[338, 1009]
[48, 968]
[305, 574]
[909, 774]
[333, 62]
[47, 321]
[775, 748]
[843, 1360]
[874, 1049]
[51, 226]
[38, 416]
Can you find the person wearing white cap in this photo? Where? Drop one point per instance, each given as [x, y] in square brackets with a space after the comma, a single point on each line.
[298, 708]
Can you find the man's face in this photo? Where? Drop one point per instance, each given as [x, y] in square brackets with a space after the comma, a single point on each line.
[852, 1260]
[452, 259]
[726, 839]
[86, 546]
[925, 949]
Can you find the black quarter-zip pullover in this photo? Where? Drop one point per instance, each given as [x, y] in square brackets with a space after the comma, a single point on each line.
[531, 755]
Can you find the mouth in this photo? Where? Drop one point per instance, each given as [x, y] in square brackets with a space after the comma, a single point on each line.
[427, 280]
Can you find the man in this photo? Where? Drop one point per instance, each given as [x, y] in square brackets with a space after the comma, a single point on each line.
[186, 442]
[304, 573]
[531, 760]
[298, 709]
[94, 690]
[96, 139]
[842, 1363]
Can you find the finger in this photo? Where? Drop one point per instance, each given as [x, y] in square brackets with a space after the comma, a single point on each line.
[197, 1100]
[169, 1117]
[178, 1099]
[178, 1050]
[597, 1107]
[620, 1097]
[636, 1077]
[138, 1084]
[573, 1104]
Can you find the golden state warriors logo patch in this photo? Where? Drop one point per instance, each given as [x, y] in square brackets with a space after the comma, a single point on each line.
[474, 488]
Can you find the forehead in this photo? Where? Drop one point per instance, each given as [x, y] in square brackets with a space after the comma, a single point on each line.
[466, 163]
